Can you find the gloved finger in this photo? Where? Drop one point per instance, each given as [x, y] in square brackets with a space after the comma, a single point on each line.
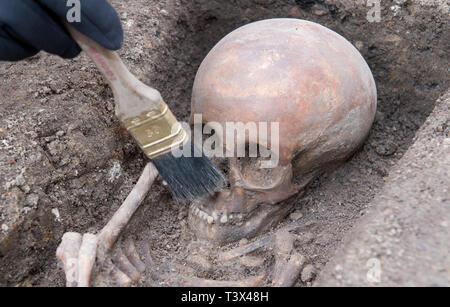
[99, 20]
[13, 50]
[32, 26]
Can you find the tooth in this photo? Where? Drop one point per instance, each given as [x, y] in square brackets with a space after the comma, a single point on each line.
[224, 219]
[196, 211]
[203, 215]
[215, 216]
[210, 220]
[231, 216]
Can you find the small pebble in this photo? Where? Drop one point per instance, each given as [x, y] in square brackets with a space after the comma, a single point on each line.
[294, 12]
[359, 45]
[32, 200]
[243, 242]
[379, 117]
[387, 149]
[308, 273]
[26, 189]
[295, 216]
[55, 212]
[20, 181]
[306, 238]
[318, 11]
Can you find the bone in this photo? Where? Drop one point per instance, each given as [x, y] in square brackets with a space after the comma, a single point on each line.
[122, 279]
[86, 259]
[251, 262]
[256, 281]
[67, 253]
[124, 265]
[246, 249]
[284, 244]
[133, 256]
[110, 233]
[78, 254]
[288, 263]
[290, 272]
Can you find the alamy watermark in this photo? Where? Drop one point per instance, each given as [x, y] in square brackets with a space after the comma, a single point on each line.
[374, 14]
[210, 139]
[74, 13]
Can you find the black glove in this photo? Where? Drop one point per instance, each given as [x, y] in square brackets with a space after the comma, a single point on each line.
[28, 26]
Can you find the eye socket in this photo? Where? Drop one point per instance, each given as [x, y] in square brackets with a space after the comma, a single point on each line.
[254, 174]
[251, 168]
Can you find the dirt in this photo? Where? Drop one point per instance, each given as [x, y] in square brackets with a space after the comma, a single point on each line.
[403, 240]
[67, 165]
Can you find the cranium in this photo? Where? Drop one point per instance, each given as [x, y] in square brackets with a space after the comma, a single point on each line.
[311, 81]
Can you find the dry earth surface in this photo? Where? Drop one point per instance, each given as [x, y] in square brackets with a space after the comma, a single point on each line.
[66, 164]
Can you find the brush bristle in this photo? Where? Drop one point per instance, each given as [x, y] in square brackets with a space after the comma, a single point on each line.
[189, 177]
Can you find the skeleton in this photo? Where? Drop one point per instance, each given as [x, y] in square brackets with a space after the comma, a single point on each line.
[307, 78]
[79, 253]
[319, 89]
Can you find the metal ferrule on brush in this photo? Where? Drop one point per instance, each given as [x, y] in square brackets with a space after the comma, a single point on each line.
[157, 132]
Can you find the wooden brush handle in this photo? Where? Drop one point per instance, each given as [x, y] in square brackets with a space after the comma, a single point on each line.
[132, 97]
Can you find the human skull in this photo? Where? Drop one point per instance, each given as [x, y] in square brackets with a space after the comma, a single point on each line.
[299, 74]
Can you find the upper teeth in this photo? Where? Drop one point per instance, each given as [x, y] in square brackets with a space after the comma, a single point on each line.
[202, 214]
[224, 219]
[215, 217]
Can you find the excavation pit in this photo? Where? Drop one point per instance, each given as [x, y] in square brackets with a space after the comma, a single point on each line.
[67, 165]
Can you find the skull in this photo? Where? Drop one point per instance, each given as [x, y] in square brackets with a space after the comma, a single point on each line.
[299, 74]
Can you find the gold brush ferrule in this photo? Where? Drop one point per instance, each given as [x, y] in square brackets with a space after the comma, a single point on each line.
[157, 132]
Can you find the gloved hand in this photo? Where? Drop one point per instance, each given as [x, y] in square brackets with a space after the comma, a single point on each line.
[28, 26]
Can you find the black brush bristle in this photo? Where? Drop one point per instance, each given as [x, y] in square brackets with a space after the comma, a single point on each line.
[189, 177]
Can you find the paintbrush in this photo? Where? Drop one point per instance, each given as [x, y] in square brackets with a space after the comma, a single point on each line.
[148, 119]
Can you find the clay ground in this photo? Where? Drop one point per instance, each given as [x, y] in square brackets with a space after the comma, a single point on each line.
[66, 165]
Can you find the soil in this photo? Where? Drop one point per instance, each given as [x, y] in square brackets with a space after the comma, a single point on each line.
[403, 240]
[67, 165]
